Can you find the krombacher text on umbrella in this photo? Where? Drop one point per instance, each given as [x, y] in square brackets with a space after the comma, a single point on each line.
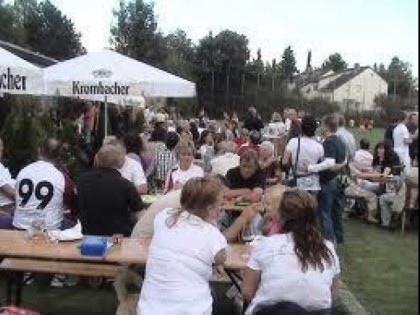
[99, 88]
[11, 81]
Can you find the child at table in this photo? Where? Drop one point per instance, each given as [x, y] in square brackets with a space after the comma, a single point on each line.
[185, 246]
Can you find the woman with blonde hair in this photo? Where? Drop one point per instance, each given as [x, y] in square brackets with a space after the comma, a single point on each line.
[185, 169]
[294, 266]
[269, 163]
[186, 244]
[272, 198]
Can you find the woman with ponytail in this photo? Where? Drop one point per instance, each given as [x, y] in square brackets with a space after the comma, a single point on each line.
[294, 266]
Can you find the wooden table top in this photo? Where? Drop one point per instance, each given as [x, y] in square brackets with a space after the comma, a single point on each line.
[130, 251]
[231, 205]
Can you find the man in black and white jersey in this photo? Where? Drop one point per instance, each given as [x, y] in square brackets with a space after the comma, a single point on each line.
[43, 192]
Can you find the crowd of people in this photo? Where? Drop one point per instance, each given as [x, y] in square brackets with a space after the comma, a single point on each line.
[294, 173]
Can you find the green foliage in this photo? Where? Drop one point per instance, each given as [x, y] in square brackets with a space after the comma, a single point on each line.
[22, 133]
[288, 64]
[136, 122]
[188, 107]
[319, 107]
[399, 77]
[180, 54]
[389, 105]
[334, 62]
[8, 31]
[135, 32]
[40, 27]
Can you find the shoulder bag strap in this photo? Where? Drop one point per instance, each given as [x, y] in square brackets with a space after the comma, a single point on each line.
[294, 167]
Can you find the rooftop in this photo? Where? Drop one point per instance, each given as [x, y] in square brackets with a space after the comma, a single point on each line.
[35, 58]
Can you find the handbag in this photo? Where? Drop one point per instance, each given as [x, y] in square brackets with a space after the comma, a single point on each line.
[292, 182]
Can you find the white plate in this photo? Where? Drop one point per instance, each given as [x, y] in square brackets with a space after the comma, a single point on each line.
[149, 198]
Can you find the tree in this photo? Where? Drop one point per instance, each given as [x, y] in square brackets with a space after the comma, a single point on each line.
[135, 32]
[220, 64]
[41, 28]
[335, 63]
[8, 30]
[400, 78]
[22, 132]
[180, 55]
[288, 64]
[233, 50]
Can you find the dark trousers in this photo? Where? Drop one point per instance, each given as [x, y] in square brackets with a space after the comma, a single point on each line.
[337, 216]
[326, 200]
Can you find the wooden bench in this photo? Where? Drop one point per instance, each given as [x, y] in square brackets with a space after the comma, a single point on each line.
[54, 267]
[21, 265]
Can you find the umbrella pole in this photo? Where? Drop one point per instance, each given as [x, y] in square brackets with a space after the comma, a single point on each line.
[106, 117]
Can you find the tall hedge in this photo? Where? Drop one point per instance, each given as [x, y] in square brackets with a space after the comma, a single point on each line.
[22, 133]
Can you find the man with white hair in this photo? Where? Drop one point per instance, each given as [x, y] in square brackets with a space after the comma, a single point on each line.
[226, 159]
[130, 169]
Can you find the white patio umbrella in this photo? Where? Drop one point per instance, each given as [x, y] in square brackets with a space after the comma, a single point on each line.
[113, 76]
[17, 76]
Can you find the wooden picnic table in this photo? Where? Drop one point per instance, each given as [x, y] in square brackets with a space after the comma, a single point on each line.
[129, 251]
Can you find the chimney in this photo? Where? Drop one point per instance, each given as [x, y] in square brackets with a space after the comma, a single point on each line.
[357, 66]
[308, 62]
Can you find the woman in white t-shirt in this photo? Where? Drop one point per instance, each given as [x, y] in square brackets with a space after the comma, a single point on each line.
[297, 265]
[185, 169]
[307, 150]
[186, 244]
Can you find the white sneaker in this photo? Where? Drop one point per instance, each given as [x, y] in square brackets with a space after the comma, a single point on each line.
[57, 281]
[71, 280]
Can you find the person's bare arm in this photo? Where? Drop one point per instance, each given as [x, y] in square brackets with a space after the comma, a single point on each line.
[142, 189]
[285, 160]
[335, 287]
[220, 257]
[338, 166]
[251, 280]
[369, 175]
[408, 140]
[9, 191]
[255, 195]
[324, 165]
[232, 232]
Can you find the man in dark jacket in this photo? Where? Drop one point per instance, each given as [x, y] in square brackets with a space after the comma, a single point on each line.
[253, 121]
[106, 201]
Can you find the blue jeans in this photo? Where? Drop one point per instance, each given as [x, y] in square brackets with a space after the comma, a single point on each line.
[6, 221]
[326, 197]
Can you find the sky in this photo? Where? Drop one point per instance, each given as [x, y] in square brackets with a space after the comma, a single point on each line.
[362, 31]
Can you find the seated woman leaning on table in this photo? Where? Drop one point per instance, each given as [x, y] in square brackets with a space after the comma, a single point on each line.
[185, 245]
[296, 266]
[385, 162]
[185, 168]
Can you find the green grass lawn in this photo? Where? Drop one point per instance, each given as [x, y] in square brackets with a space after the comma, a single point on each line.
[381, 268]
[375, 135]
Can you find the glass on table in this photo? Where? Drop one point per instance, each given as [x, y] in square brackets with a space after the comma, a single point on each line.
[251, 230]
[36, 229]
